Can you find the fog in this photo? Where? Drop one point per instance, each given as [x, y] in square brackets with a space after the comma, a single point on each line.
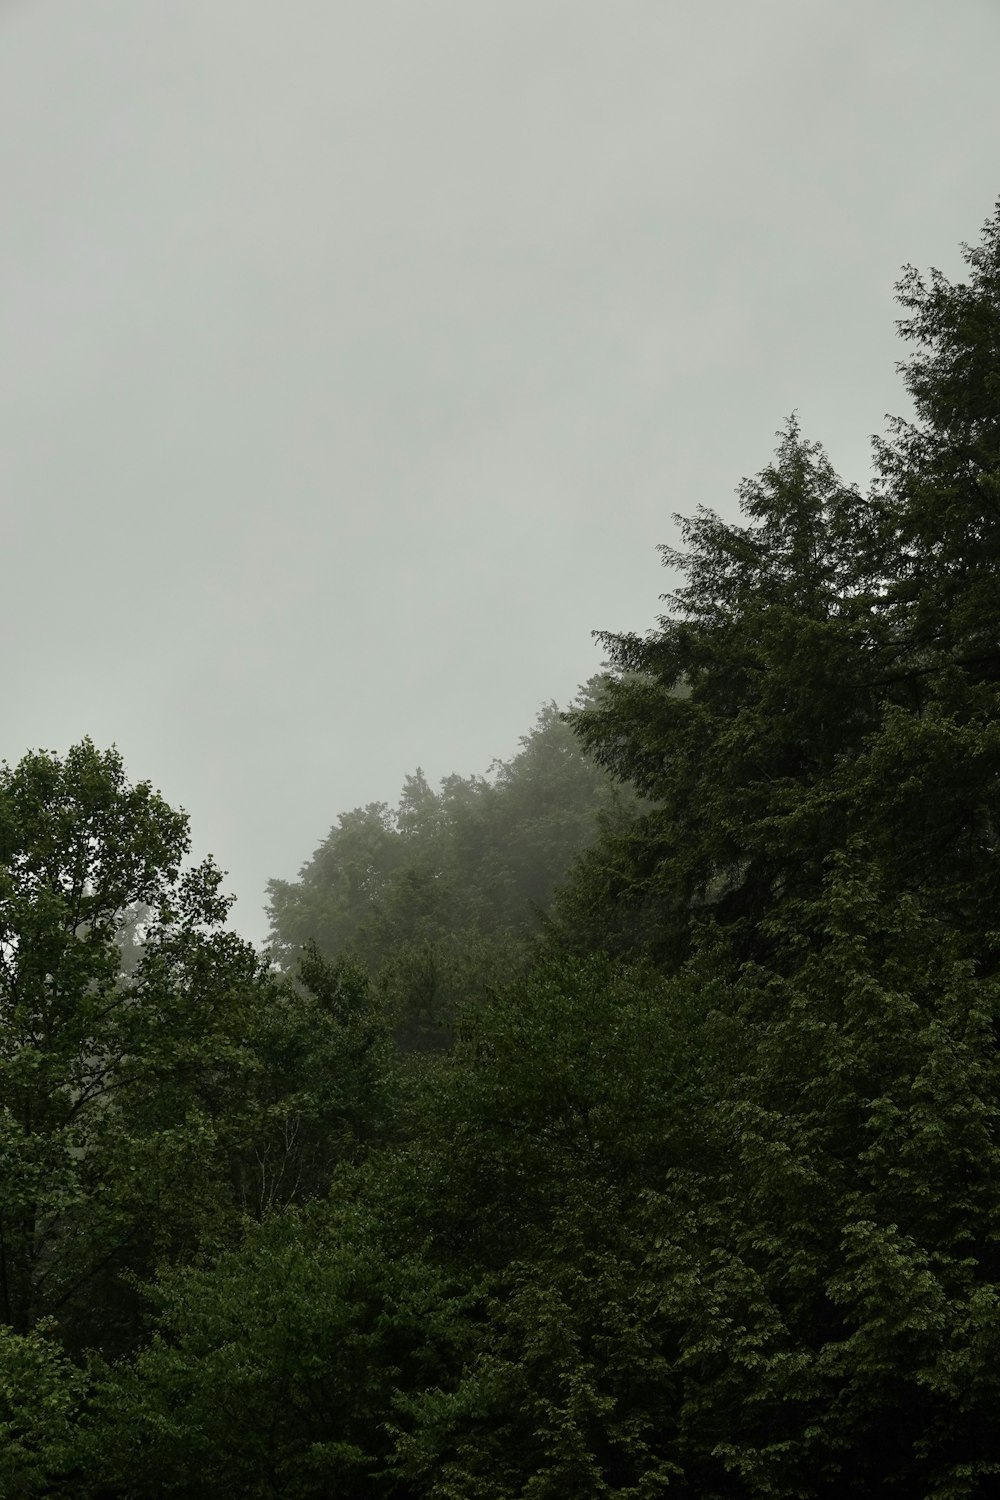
[356, 356]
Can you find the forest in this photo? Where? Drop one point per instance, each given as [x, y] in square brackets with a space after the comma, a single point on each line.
[624, 1121]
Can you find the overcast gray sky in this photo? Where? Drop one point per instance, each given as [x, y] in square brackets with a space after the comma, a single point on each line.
[355, 355]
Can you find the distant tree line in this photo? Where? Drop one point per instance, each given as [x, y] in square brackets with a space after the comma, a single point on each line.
[624, 1122]
[444, 897]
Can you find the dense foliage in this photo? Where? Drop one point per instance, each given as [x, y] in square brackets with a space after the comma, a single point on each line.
[442, 898]
[697, 1192]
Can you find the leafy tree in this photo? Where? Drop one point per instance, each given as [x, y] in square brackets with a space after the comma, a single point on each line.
[404, 1338]
[274, 1364]
[442, 898]
[41, 1392]
[730, 1239]
[339, 890]
[564, 1101]
[113, 1141]
[858, 1197]
[739, 1238]
[323, 1090]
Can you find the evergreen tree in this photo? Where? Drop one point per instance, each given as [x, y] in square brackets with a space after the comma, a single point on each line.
[732, 716]
[827, 674]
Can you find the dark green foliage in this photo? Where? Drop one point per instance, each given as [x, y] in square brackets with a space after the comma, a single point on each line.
[41, 1392]
[733, 718]
[323, 1090]
[112, 1151]
[737, 1238]
[743, 1235]
[467, 1314]
[564, 1101]
[273, 1365]
[942, 472]
[862, 1193]
[148, 1100]
[825, 675]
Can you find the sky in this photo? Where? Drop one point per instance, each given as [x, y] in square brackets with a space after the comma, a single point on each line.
[356, 356]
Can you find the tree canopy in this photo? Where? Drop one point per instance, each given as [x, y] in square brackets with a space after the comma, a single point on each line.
[445, 894]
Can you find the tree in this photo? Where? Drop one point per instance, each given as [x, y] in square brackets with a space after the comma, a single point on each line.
[409, 1336]
[942, 472]
[115, 1077]
[828, 671]
[940, 478]
[41, 1393]
[323, 1090]
[717, 1238]
[732, 716]
[442, 898]
[339, 891]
